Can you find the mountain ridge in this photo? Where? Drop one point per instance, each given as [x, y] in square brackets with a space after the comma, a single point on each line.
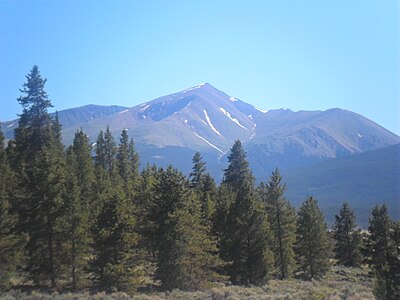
[203, 118]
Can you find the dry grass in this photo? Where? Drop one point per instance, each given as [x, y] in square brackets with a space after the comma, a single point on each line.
[339, 284]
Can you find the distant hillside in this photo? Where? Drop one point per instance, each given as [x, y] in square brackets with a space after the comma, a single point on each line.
[70, 117]
[363, 180]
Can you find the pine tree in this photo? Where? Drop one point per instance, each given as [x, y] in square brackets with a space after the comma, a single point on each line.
[116, 264]
[198, 171]
[246, 236]
[313, 245]
[127, 163]
[379, 237]
[348, 238]
[282, 220]
[9, 249]
[40, 165]
[186, 256]
[77, 207]
[393, 274]
[84, 170]
[205, 188]
[143, 202]
[383, 253]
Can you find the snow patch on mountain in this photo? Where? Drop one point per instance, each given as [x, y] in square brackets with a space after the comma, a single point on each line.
[359, 135]
[124, 111]
[212, 145]
[233, 99]
[11, 125]
[142, 109]
[193, 88]
[264, 111]
[209, 122]
[230, 117]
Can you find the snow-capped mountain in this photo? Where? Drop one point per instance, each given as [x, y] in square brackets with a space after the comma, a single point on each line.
[169, 129]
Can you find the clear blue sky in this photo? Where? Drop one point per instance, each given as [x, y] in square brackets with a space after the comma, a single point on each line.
[310, 55]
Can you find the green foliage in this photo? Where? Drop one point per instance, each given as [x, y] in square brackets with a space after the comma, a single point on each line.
[77, 208]
[186, 255]
[384, 253]
[9, 242]
[392, 275]
[116, 264]
[313, 245]
[348, 239]
[282, 220]
[379, 238]
[39, 162]
[245, 238]
[127, 163]
[205, 188]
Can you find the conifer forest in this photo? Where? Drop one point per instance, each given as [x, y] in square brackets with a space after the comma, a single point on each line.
[87, 219]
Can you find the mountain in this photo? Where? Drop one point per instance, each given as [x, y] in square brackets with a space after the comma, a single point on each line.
[70, 117]
[170, 129]
[331, 143]
[361, 179]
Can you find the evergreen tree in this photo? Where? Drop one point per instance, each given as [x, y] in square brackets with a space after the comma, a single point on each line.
[383, 253]
[282, 220]
[348, 238]
[186, 256]
[393, 274]
[313, 245]
[8, 240]
[198, 171]
[205, 188]
[84, 168]
[40, 165]
[143, 202]
[127, 163]
[77, 207]
[116, 264]
[246, 236]
[379, 237]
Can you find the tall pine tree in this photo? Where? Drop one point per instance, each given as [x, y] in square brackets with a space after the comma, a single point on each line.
[348, 239]
[282, 220]
[380, 249]
[40, 165]
[313, 245]
[245, 239]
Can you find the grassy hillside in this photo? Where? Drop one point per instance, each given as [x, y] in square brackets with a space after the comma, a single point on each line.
[340, 283]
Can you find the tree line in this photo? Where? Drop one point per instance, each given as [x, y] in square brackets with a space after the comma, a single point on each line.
[86, 217]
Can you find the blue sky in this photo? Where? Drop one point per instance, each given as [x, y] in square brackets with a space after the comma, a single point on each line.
[303, 55]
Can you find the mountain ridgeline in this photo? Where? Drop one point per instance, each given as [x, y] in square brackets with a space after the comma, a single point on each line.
[170, 129]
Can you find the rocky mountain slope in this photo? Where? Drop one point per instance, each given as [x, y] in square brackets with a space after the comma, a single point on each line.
[171, 128]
